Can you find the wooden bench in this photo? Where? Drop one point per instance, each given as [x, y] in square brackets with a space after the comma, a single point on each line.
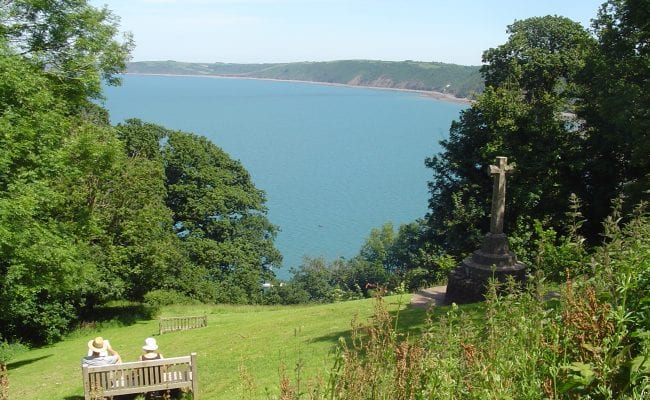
[173, 324]
[141, 377]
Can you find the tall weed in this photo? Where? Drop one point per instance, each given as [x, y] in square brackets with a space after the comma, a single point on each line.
[591, 341]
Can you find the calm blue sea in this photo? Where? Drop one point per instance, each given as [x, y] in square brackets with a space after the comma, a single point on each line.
[334, 162]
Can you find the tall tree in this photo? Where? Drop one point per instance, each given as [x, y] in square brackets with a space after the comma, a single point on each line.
[68, 39]
[150, 254]
[616, 107]
[219, 214]
[524, 114]
[54, 160]
[45, 271]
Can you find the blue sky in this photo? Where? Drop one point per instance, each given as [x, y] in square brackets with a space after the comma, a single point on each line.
[251, 31]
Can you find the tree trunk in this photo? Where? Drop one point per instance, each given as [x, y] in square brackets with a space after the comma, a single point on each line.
[4, 382]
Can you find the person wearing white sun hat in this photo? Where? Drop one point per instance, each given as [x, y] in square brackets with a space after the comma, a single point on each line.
[150, 350]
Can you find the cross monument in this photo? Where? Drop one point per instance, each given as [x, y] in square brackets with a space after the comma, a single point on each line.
[494, 260]
[498, 172]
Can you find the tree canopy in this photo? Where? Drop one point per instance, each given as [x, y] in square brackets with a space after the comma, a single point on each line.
[91, 213]
[550, 93]
[525, 114]
[616, 107]
[70, 40]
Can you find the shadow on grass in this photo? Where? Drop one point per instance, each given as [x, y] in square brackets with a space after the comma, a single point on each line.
[18, 364]
[332, 337]
[121, 313]
[410, 320]
[175, 394]
[413, 321]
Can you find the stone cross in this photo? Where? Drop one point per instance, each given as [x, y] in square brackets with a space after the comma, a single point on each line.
[498, 172]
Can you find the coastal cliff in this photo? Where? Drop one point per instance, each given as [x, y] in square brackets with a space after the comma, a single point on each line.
[455, 81]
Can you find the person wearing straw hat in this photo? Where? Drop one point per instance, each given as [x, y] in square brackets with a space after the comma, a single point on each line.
[99, 349]
[150, 350]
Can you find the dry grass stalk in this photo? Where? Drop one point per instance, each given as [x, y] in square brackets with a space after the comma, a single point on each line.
[4, 382]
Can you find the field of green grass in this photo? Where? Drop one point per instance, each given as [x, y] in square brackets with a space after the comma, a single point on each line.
[240, 354]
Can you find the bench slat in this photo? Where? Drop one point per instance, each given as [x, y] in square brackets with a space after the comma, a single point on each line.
[151, 388]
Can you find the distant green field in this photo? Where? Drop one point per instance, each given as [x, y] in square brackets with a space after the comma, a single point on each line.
[456, 80]
[256, 339]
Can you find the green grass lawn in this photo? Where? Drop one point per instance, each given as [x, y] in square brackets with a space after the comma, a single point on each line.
[258, 340]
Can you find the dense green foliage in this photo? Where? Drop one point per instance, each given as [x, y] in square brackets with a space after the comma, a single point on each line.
[570, 110]
[69, 39]
[616, 106]
[457, 80]
[52, 162]
[91, 213]
[388, 260]
[220, 217]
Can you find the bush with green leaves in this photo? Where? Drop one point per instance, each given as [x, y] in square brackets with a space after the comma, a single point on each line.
[161, 297]
[7, 352]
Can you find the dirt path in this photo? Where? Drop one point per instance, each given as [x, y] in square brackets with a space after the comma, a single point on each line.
[425, 298]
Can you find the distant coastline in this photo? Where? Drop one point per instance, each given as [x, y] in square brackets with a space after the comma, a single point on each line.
[425, 93]
[444, 82]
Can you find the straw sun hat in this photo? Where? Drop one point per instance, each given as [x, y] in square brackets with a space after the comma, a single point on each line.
[97, 344]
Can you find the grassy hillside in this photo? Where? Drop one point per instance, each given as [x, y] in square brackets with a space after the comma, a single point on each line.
[254, 339]
[457, 80]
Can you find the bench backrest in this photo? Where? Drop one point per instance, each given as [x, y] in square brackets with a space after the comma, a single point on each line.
[140, 377]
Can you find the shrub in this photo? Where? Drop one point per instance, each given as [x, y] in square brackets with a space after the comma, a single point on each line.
[7, 352]
[291, 293]
[161, 297]
[556, 256]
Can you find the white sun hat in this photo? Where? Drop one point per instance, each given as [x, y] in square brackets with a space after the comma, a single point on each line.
[150, 344]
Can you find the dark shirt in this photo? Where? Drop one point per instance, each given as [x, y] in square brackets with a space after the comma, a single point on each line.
[143, 357]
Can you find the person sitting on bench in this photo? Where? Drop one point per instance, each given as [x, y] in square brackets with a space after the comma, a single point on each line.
[150, 350]
[99, 350]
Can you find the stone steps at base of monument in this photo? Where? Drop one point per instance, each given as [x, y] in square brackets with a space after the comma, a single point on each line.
[467, 284]
[487, 260]
[483, 271]
[461, 289]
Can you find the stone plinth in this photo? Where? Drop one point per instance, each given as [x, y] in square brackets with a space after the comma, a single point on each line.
[468, 281]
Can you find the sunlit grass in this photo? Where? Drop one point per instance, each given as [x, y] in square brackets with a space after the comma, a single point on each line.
[254, 341]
